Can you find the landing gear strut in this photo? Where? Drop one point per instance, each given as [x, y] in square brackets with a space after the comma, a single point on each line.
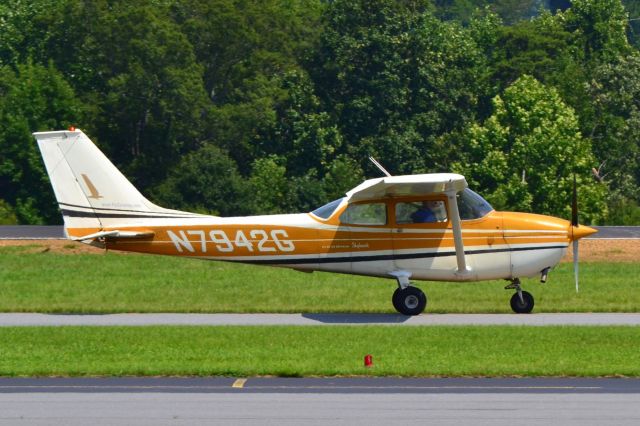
[522, 301]
[406, 299]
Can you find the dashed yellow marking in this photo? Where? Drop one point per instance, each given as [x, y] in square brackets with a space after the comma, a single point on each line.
[239, 383]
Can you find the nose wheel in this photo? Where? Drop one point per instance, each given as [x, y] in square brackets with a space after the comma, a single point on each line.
[522, 301]
[409, 300]
[523, 306]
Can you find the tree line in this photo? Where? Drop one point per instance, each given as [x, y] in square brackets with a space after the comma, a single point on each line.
[235, 107]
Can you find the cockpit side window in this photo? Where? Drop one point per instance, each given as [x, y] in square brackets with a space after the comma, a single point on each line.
[421, 211]
[472, 206]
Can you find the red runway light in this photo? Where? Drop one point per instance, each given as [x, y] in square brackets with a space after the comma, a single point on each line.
[368, 361]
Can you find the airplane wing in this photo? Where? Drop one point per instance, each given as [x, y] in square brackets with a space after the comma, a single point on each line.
[396, 186]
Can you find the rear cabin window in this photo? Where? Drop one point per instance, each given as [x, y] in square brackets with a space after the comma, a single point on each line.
[365, 214]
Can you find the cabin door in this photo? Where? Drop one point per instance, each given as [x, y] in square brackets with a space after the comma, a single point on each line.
[369, 237]
[422, 238]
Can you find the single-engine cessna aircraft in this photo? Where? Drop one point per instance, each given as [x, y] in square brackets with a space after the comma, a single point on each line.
[425, 227]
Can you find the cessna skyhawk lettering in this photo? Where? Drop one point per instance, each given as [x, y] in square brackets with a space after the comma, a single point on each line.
[424, 227]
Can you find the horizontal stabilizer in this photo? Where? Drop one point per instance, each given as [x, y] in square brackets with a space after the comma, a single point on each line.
[115, 235]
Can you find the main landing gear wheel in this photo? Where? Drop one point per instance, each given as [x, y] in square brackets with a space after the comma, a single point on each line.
[524, 305]
[409, 300]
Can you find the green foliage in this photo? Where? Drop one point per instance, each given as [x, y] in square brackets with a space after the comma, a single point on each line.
[301, 92]
[599, 26]
[303, 133]
[269, 185]
[623, 211]
[7, 215]
[530, 47]
[206, 181]
[633, 30]
[151, 101]
[509, 11]
[238, 42]
[247, 49]
[275, 192]
[343, 174]
[397, 78]
[28, 30]
[306, 192]
[512, 11]
[525, 155]
[33, 97]
[614, 122]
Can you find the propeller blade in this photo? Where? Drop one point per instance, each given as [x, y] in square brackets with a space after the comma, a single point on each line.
[575, 262]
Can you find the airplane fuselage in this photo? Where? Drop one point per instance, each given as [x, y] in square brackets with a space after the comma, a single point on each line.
[498, 245]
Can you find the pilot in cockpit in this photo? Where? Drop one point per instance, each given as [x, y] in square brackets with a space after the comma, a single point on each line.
[430, 211]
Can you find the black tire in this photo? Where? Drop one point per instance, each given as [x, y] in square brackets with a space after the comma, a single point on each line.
[519, 307]
[409, 301]
[395, 299]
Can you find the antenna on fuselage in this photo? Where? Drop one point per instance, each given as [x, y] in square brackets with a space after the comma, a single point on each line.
[378, 165]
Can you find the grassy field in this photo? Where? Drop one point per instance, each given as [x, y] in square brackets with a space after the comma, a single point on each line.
[325, 351]
[35, 280]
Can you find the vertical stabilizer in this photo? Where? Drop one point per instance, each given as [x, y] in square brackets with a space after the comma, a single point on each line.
[91, 191]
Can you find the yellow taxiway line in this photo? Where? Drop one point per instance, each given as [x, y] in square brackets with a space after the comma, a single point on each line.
[239, 383]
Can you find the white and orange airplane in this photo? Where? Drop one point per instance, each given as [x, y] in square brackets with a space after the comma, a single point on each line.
[424, 227]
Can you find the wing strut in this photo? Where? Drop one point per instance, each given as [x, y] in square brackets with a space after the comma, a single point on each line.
[454, 214]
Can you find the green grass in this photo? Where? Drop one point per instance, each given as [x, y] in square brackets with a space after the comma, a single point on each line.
[322, 351]
[83, 283]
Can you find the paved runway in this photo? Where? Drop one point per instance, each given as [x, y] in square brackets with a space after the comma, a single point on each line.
[31, 232]
[326, 409]
[597, 319]
[287, 402]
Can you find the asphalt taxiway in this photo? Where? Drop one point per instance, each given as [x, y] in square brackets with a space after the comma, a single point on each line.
[542, 319]
[319, 385]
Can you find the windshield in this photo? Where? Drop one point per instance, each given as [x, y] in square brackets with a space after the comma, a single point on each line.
[472, 206]
[327, 210]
